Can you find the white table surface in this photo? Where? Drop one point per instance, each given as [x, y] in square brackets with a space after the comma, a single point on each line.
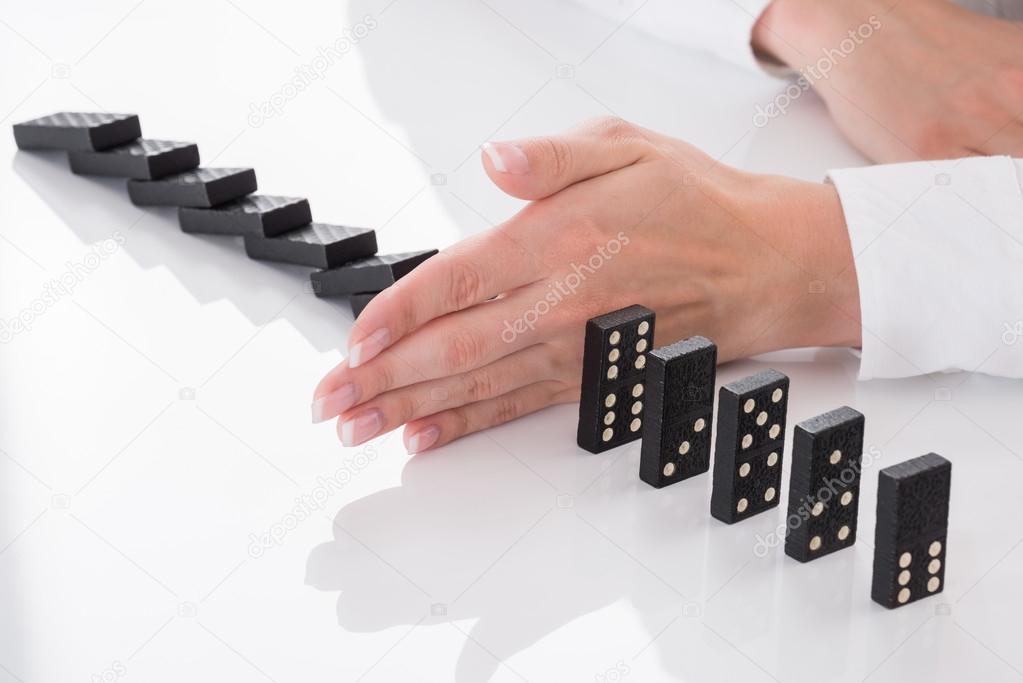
[155, 418]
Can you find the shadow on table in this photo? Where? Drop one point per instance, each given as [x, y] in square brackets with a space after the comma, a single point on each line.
[94, 208]
[472, 540]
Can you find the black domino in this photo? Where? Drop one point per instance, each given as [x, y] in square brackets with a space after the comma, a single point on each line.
[373, 274]
[750, 446]
[257, 214]
[198, 187]
[824, 486]
[318, 245]
[614, 378]
[141, 159]
[911, 535]
[73, 131]
[679, 411]
[360, 300]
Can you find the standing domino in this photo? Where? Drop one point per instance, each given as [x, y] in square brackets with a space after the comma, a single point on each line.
[749, 447]
[824, 489]
[613, 381]
[679, 411]
[911, 532]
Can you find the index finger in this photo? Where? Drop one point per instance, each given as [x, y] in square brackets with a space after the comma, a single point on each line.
[468, 273]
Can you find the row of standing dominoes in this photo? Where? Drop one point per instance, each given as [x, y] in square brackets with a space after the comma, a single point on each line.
[665, 396]
[221, 201]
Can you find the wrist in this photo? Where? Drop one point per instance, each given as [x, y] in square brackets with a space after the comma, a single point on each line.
[815, 292]
[833, 296]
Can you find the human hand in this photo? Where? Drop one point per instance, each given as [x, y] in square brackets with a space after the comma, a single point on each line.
[620, 215]
[910, 80]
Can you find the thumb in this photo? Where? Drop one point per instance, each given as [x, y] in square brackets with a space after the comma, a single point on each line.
[538, 167]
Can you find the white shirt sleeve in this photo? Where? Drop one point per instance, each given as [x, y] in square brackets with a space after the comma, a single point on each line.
[722, 27]
[939, 258]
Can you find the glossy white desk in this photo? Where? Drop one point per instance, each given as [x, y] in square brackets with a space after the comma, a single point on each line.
[155, 419]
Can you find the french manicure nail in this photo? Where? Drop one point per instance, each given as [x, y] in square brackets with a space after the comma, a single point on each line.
[368, 348]
[507, 158]
[362, 427]
[423, 439]
[334, 403]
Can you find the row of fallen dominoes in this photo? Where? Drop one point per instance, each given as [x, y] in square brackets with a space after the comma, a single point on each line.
[220, 201]
[665, 396]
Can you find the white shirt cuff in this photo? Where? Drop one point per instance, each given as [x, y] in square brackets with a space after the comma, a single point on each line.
[938, 248]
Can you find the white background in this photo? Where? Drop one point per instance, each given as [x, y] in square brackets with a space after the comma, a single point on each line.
[155, 419]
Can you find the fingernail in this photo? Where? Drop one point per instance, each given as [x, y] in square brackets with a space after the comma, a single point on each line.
[422, 440]
[334, 403]
[507, 158]
[363, 426]
[368, 348]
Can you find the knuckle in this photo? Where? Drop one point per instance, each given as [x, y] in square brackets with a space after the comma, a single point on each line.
[616, 129]
[465, 285]
[394, 304]
[384, 377]
[405, 408]
[508, 408]
[460, 420]
[479, 385]
[408, 317]
[559, 155]
[465, 348]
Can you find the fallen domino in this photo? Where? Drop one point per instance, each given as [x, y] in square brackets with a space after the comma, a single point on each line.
[318, 244]
[72, 131]
[373, 274]
[360, 300]
[254, 215]
[139, 159]
[198, 187]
